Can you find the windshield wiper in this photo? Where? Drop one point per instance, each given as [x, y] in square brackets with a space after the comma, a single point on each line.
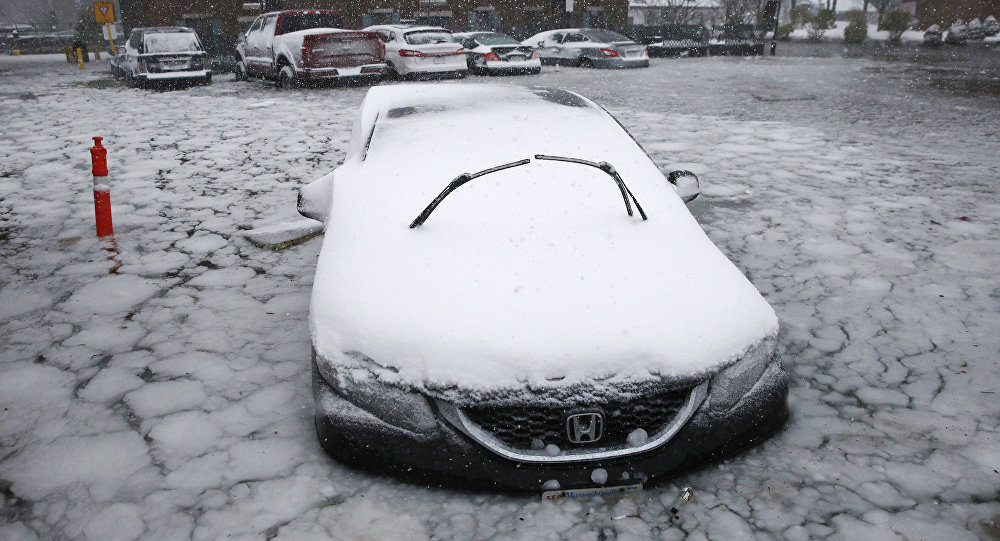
[460, 180]
[610, 170]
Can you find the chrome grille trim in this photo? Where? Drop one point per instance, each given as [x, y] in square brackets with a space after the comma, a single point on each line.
[459, 420]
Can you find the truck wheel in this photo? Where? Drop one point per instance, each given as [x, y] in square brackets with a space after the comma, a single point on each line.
[286, 77]
[240, 71]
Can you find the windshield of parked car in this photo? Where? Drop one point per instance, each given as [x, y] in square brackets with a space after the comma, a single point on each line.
[604, 36]
[426, 37]
[304, 21]
[171, 42]
[495, 39]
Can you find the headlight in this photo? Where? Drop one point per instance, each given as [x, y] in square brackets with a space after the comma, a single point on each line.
[735, 381]
[398, 407]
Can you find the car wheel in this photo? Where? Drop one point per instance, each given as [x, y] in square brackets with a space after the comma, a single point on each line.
[535, 71]
[286, 77]
[240, 71]
[391, 72]
[207, 80]
[586, 63]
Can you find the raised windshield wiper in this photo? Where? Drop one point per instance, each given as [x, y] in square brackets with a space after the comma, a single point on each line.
[453, 185]
[610, 170]
[466, 177]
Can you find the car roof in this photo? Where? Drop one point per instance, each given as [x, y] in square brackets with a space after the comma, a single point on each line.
[164, 29]
[436, 110]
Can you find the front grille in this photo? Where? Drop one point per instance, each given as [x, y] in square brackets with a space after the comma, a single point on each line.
[532, 427]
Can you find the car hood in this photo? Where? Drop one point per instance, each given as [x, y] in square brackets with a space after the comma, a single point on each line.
[530, 276]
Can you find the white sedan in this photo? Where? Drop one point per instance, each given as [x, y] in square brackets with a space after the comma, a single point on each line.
[589, 48]
[416, 50]
[492, 53]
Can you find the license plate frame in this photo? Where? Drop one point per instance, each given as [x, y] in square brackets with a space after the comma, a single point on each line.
[580, 493]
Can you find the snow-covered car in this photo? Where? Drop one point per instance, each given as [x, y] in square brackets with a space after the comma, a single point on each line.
[493, 53]
[957, 34]
[163, 54]
[589, 48]
[307, 45]
[539, 312]
[421, 50]
[933, 35]
[680, 40]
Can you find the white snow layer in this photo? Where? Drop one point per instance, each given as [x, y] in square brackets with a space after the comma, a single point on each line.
[868, 218]
[525, 275]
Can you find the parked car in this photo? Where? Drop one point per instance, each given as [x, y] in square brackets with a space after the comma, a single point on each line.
[298, 46]
[680, 40]
[490, 313]
[589, 48]
[162, 54]
[737, 40]
[492, 53]
[421, 50]
[957, 34]
[933, 35]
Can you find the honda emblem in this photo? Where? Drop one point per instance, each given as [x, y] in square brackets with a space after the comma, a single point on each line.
[584, 427]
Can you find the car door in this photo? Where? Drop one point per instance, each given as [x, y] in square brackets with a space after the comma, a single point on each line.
[250, 52]
[551, 47]
[267, 43]
[571, 45]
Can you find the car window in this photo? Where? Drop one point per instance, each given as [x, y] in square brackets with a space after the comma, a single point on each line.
[171, 42]
[392, 36]
[604, 36]
[495, 39]
[269, 23]
[256, 25]
[134, 39]
[426, 37]
[573, 38]
[556, 38]
[383, 35]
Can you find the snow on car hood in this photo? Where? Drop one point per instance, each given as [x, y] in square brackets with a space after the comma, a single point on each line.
[531, 275]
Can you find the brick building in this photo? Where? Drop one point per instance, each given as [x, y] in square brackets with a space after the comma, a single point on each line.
[218, 21]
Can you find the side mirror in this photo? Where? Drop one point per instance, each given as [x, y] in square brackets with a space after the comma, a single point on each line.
[686, 183]
[315, 198]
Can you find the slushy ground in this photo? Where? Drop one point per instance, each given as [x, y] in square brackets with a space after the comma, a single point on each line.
[159, 388]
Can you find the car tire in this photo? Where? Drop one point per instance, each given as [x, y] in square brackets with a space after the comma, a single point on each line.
[240, 71]
[390, 72]
[535, 71]
[286, 77]
[586, 62]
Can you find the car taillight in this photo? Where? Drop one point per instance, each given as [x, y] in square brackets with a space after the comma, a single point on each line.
[645, 51]
[491, 57]
[609, 52]
[410, 53]
[140, 66]
[534, 55]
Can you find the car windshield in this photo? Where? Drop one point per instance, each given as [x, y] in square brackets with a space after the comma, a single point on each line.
[425, 37]
[304, 21]
[495, 39]
[171, 42]
[604, 36]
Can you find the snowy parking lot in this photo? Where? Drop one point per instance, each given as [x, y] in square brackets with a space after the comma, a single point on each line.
[159, 388]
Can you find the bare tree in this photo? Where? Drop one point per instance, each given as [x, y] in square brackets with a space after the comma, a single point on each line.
[881, 6]
[742, 11]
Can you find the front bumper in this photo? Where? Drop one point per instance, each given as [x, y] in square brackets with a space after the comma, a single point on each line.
[522, 66]
[435, 447]
[617, 62]
[174, 75]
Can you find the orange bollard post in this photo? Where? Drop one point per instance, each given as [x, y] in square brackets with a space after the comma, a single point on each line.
[102, 192]
[79, 57]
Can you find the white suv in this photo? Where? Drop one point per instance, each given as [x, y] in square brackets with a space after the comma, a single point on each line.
[413, 50]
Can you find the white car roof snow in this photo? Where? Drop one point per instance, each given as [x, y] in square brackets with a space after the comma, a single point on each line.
[531, 275]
